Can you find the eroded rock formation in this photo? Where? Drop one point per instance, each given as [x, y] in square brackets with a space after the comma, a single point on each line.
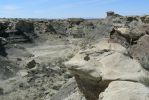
[112, 68]
[107, 58]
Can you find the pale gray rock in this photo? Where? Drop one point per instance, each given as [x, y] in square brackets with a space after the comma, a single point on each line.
[125, 90]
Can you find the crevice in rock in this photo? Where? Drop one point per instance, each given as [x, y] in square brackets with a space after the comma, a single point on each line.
[91, 88]
[87, 58]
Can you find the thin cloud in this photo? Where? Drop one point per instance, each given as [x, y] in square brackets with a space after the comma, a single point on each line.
[9, 8]
[81, 3]
[70, 5]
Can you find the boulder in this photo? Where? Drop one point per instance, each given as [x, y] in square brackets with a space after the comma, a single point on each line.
[140, 51]
[31, 64]
[86, 69]
[141, 48]
[106, 66]
[127, 36]
[106, 62]
[125, 90]
[117, 37]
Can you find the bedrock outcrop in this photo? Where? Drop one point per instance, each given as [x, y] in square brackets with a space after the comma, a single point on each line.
[111, 72]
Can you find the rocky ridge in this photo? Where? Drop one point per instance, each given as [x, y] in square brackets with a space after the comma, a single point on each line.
[114, 68]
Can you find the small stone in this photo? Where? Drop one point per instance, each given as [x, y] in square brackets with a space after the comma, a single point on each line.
[87, 58]
[31, 64]
[19, 59]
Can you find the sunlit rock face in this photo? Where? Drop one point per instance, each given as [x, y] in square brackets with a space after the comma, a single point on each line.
[117, 67]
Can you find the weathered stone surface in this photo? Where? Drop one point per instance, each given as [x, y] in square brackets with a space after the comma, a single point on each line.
[129, 33]
[120, 67]
[87, 69]
[113, 66]
[69, 91]
[25, 26]
[117, 37]
[141, 50]
[107, 62]
[7, 68]
[125, 90]
[107, 45]
[128, 36]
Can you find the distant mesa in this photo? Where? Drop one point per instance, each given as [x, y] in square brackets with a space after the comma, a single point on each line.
[112, 14]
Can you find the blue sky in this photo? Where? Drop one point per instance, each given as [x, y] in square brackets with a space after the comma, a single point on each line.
[71, 8]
